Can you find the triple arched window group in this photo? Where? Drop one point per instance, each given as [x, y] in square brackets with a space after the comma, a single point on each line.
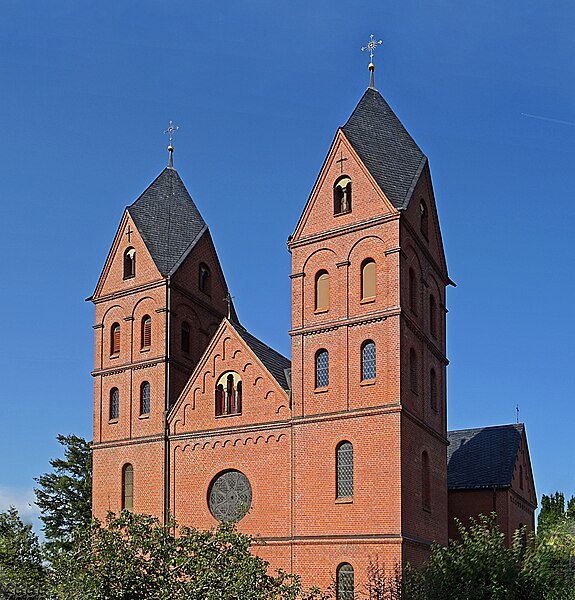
[368, 285]
[229, 394]
[144, 401]
[145, 335]
[368, 364]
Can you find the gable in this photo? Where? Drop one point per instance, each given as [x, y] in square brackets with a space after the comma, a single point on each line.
[112, 278]
[263, 398]
[367, 199]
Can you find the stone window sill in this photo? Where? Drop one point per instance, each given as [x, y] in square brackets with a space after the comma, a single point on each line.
[321, 390]
[368, 382]
[236, 414]
[343, 212]
[344, 500]
[320, 311]
[144, 416]
[112, 421]
[367, 300]
[145, 349]
[113, 356]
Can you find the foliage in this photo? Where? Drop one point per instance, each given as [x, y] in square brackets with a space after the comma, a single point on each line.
[134, 556]
[21, 570]
[65, 495]
[553, 511]
[480, 566]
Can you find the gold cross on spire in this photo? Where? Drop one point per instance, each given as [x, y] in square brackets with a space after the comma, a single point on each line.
[170, 131]
[371, 46]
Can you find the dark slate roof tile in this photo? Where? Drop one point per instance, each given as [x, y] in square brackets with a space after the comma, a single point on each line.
[482, 458]
[273, 361]
[167, 219]
[388, 151]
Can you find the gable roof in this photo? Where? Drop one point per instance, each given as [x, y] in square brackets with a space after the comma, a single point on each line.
[277, 364]
[482, 458]
[385, 147]
[168, 220]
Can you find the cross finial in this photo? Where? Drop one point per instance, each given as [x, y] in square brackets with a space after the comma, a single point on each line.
[371, 46]
[228, 301]
[170, 131]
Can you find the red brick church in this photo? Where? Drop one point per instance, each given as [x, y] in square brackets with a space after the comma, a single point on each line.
[334, 458]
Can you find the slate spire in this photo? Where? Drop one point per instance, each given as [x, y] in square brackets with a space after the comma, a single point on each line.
[168, 220]
[385, 147]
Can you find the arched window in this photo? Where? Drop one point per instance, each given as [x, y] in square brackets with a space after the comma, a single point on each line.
[345, 582]
[146, 332]
[229, 394]
[342, 195]
[423, 219]
[321, 369]
[115, 339]
[185, 337]
[344, 470]
[368, 279]
[433, 389]
[425, 481]
[368, 367]
[322, 290]
[413, 370]
[114, 404]
[127, 487]
[205, 279]
[129, 263]
[432, 316]
[520, 476]
[145, 398]
[412, 291]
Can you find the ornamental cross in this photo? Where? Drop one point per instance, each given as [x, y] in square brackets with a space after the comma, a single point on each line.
[341, 160]
[228, 301]
[371, 46]
[129, 234]
[171, 130]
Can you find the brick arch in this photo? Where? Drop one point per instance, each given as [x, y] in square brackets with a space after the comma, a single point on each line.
[108, 311]
[370, 246]
[139, 302]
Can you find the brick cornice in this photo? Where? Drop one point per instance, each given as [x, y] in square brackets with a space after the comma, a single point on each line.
[140, 364]
[379, 315]
[129, 291]
[423, 337]
[338, 231]
[128, 441]
[233, 430]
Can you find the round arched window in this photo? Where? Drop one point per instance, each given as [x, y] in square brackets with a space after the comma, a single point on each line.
[230, 496]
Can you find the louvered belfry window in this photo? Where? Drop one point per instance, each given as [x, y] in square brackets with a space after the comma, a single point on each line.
[322, 291]
[115, 339]
[129, 263]
[368, 282]
[368, 369]
[345, 582]
[128, 487]
[146, 332]
[322, 369]
[344, 470]
[145, 398]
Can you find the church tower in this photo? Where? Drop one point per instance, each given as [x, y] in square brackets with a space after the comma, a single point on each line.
[368, 354]
[158, 301]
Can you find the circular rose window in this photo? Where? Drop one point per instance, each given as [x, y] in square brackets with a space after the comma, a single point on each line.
[230, 496]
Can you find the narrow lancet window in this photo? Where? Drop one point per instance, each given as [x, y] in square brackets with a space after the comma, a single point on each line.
[145, 398]
[344, 470]
[345, 585]
[115, 339]
[228, 395]
[146, 333]
[423, 219]
[185, 337]
[368, 279]
[205, 279]
[342, 196]
[321, 369]
[114, 404]
[128, 487]
[129, 263]
[322, 291]
[368, 368]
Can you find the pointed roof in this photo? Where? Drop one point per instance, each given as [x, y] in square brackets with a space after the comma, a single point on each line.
[277, 364]
[385, 147]
[168, 220]
[482, 458]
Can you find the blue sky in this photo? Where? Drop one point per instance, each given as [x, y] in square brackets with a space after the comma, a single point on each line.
[259, 88]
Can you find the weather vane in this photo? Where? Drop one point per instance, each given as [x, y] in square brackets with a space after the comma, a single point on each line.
[371, 46]
[170, 131]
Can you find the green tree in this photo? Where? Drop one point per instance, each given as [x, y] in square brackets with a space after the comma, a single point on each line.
[134, 556]
[65, 495]
[21, 571]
